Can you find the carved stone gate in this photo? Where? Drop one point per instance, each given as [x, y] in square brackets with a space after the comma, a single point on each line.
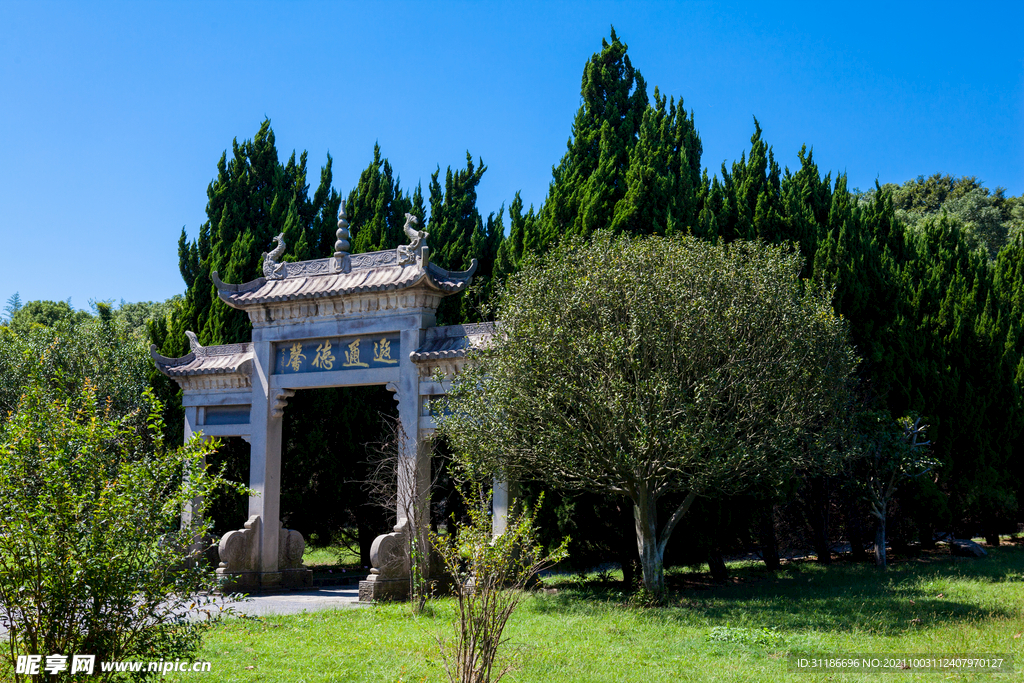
[347, 320]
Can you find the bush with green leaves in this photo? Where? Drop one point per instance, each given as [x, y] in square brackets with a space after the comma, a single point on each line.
[656, 370]
[59, 355]
[93, 557]
[889, 453]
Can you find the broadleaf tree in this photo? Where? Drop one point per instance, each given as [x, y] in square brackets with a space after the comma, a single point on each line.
[641, 367]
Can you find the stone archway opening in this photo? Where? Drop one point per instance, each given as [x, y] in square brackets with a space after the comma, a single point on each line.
[326, 462]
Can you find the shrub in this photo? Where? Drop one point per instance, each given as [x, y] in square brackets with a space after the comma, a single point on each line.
[93, 559]
[490, 577]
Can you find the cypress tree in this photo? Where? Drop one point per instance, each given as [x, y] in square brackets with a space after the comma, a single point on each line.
[663, 174]
[377, 206]
[512, 249]
[629, 166]
[253, 198]
[591, 178]
[752, 206]
[458, 234]
[454, 217]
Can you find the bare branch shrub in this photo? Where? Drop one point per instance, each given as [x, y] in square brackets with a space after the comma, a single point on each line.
[490, 577]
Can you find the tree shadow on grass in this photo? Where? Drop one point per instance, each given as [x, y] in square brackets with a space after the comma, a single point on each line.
[807, 596]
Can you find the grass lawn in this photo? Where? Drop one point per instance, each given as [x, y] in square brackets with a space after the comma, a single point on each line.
[336, 564]
[334, 556]
[743, 631]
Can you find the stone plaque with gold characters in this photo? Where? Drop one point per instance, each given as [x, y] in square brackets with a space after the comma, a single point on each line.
[337, 353]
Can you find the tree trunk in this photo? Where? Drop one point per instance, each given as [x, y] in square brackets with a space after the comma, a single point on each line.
[716, 563]
[880, 543]
[767, 539]
[626, 549]
[816, 511]
[926, 532]
[652, 561]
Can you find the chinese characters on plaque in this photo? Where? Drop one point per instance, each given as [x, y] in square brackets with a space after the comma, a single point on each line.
[345, 353]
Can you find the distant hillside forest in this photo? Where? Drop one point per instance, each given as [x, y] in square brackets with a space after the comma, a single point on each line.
[929, 275]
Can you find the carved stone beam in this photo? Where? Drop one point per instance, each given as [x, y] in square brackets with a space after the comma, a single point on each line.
[279, 401]
[393, 388]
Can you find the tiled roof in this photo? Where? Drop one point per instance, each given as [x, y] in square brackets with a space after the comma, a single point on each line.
[453, 341]
[373, 272]
[206, 360]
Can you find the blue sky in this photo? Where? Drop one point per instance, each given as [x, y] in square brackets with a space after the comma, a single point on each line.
[114, 115]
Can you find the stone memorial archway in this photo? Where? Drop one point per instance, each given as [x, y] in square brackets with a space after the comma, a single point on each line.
[346, 320]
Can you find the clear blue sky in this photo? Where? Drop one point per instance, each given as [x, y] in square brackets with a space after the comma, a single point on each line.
[114, 115]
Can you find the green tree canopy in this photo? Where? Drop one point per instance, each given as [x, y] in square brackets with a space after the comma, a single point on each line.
[43, 314]
[629, 166]
[988, 218]
[253, 198]
[70, 351]
[640, 367]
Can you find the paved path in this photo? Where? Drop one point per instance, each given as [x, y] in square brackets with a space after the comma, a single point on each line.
[293, 602]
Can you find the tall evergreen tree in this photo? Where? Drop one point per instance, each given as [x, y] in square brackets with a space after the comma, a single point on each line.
[591, 178]
[458, 234]
[377, 206]
[753, 207]
[513, 248]
[454, 217]
[630, 166]
[958, 373]
[663, 173]
[253, 198]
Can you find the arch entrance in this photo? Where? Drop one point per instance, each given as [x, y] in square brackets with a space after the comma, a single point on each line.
[342, 321]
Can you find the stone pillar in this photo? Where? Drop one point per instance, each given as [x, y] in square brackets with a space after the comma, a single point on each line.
[200, 545]
[499, 507]
[265, 465]
[414, 460]
[263, 555]
[389, 577]
[191, 428]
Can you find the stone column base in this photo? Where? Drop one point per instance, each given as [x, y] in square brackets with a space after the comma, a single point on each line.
[376, 589]
[246, 582]
[297, 578]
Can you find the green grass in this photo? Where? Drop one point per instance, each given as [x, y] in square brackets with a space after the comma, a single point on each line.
[334, 556]
[334, 564]
[742, 631]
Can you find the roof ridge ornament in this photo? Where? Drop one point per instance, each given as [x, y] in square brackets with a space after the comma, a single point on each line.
[341, 247]
[193, 342]
[272, 268]
[417, 249]
[342, 262]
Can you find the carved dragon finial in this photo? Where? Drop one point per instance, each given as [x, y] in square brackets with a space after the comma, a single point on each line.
[272, 268]
[193, 342]
[417, 240]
